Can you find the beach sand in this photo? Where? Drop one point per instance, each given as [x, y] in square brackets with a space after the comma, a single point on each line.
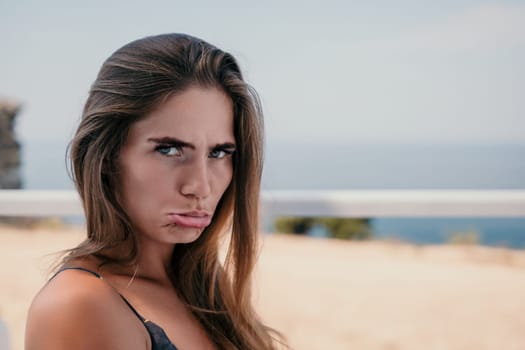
[329, 294]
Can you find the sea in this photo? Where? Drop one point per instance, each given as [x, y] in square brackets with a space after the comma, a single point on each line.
[351, 166]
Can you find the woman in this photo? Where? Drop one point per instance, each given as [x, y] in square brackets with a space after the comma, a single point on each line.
[167, 157]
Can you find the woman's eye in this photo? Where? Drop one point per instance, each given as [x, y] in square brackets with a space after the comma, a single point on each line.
[220, 153]
[169, 150]
[217, 153]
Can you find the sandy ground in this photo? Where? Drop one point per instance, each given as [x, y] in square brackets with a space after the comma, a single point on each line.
[325, 294]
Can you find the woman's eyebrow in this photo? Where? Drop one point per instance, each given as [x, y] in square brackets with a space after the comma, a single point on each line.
[171, 141]
[174, 141]
[226, 145]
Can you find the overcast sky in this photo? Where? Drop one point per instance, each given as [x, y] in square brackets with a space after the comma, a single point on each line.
[448, 71]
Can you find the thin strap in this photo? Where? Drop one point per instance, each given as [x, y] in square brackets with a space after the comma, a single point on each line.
[133, 309]
[76, 268]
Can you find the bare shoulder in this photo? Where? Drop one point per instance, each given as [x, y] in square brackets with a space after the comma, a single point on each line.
[76, 310]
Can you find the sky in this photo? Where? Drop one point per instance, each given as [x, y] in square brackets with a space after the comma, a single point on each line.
[377, 72]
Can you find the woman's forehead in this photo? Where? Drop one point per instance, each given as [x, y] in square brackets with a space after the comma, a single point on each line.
[193, 114]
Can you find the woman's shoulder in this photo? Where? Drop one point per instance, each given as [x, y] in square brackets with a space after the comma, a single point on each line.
[73, 289]
[75, 309]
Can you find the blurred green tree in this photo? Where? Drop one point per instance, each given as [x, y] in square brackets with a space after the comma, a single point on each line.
[295, 225]
[469, 237]
[343, 228]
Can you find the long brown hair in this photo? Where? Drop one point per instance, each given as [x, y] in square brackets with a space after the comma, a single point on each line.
[131, 83]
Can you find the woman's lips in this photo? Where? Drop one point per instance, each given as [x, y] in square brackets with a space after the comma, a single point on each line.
[191, 220]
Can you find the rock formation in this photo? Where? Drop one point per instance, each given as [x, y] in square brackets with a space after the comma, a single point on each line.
[10, 175]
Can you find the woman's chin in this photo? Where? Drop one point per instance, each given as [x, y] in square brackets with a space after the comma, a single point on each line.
[183, 235]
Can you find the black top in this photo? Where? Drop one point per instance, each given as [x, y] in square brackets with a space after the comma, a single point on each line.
[159, 339]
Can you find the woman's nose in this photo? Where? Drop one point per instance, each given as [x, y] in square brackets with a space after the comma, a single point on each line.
[196, 181]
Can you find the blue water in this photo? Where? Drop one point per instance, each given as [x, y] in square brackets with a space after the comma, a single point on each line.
[324, 166]
[501, 232]
[313, 166]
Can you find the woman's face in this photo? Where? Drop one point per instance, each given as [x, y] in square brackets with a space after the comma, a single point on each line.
[176, 164]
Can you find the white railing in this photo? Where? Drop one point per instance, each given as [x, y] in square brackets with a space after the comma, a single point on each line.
[381, 203]
[40, 203]
[396, 203]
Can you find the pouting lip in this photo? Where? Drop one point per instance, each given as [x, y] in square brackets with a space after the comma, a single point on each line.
[194, 213]
[192, 219]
